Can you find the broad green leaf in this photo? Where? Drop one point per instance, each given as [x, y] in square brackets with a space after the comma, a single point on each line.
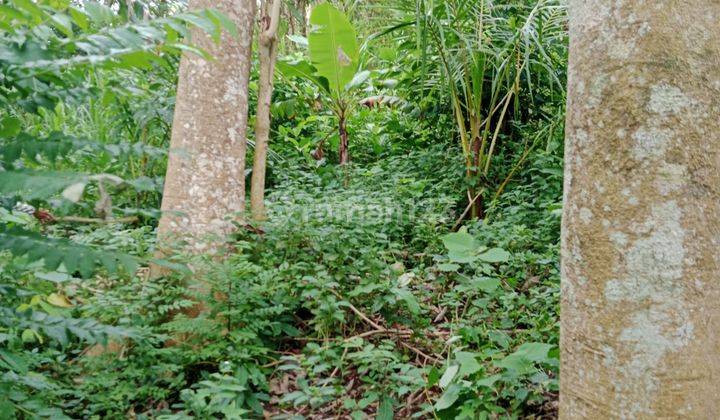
[224, 22]
[138, 59]
[486, 284]
[296, 68]
[449, 397]
[80, 18]
[459, 241]
[468, 363]
[189, 48]
[298, 40]
[357, 80]
[523, 359]
[516, 363]
[488, 381]
[433, 377]
[63, 23]
[500, 338]
[461, 246]
[537, 352]
[53, 276]
[495, 255]
[203, 22]
[98, 13]
[333, 46]
[462, 257]
[448, 376]
[303, 70]
[410, 301]
[448, 267]
[127, 38]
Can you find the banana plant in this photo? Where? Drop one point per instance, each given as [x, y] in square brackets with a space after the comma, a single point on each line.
[333, 67]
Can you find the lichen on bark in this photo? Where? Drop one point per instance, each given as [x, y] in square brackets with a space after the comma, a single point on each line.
[640, 298]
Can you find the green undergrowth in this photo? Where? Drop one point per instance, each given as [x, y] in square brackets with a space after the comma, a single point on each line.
[353, 299]
[362, 296]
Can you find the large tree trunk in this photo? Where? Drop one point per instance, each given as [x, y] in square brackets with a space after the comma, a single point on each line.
[640, 332]
[205, 181]
[267, 46]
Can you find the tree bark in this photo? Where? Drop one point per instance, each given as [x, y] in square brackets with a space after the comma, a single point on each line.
[301, 12]
[205, 181]
[641, 227]
[343, 150]
[268, 52]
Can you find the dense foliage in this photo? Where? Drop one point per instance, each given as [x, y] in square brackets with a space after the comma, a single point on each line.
[371, 291]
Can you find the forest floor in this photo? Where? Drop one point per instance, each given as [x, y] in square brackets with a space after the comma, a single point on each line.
[353, 300]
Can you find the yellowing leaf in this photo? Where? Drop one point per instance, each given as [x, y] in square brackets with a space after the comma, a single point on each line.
[30, 336]
[59, 300]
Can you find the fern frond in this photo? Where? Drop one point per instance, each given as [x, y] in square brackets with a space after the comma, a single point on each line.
[55, 252]
[58, 145]
[60, 328]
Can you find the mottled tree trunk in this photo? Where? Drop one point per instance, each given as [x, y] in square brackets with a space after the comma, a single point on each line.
[267, 46]
[205, 181]
[640, 333]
